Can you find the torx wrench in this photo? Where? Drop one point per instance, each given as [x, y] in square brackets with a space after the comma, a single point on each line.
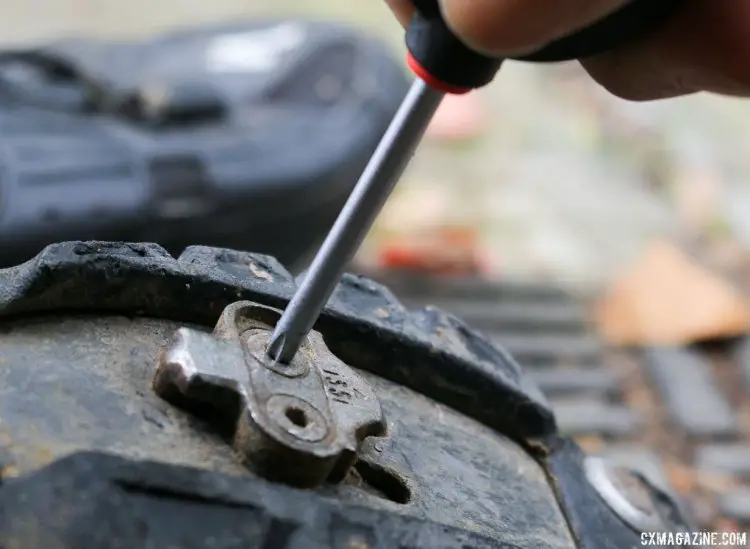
[442, 64]
[388, 162]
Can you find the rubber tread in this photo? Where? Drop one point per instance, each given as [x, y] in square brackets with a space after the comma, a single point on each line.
[102, 501]
[107, 502]
[429, 351]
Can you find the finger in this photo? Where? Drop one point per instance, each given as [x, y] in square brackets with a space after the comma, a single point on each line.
[705, 48]
[518, 26]
[402, 9]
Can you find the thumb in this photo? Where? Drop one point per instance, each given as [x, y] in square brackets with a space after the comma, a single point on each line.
[402, 9]
[512, 27]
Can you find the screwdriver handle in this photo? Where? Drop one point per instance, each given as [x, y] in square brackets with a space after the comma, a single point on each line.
[439, 58]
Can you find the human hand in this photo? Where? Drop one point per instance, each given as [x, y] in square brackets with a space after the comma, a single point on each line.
[705, 47]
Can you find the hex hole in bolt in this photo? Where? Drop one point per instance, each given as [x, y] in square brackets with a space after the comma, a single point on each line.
[296, 416]
[384, 482]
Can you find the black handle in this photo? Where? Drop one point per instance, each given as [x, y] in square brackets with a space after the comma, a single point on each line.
[443, 61]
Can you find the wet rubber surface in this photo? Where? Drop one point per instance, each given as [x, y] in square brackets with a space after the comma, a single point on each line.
[88, 405]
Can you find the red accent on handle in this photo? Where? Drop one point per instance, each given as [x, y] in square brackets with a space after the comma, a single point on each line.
[430, 80]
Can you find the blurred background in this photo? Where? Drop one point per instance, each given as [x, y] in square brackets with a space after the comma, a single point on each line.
[561, 180]
[603, 242]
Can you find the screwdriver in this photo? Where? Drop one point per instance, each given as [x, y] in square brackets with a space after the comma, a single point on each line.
[442, 65]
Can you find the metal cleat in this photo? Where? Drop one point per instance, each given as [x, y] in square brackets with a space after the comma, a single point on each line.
[299, 423]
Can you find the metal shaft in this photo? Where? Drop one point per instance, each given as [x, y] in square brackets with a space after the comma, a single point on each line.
[357, 216]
